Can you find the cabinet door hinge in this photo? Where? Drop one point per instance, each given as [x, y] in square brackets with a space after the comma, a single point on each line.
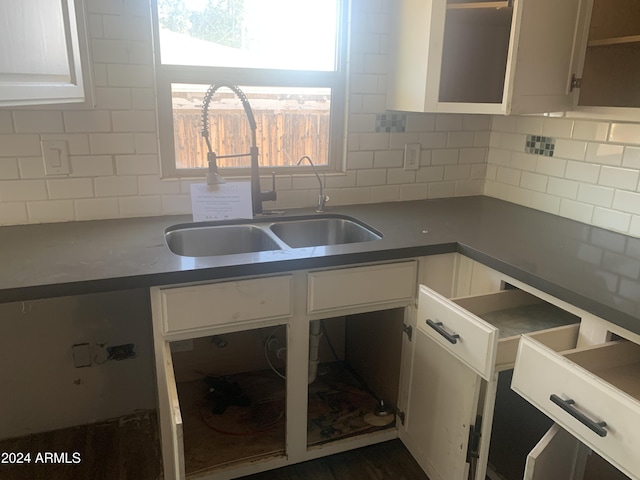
[408, 330]
[401, 416]
[575, 82]
[473, 446]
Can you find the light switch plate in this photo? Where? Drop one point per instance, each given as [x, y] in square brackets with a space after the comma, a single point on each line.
[55, 154]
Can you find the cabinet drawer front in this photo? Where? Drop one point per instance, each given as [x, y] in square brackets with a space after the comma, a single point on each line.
[359, 286]
[466, 336]
[200, 306]
[579, 400]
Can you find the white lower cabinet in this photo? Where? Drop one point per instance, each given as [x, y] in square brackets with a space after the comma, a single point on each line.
[443, 367]
[258, 373]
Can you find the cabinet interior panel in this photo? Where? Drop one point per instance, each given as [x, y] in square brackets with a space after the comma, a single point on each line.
[474, 57]
[346, 392]
[231, 401]
[597, 468]
[508, 452]
[617, 363]
[611, 76]
[609, 19]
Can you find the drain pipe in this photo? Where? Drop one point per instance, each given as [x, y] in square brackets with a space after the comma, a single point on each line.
[314, 347]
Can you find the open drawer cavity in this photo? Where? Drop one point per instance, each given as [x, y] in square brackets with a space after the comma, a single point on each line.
[483, 331]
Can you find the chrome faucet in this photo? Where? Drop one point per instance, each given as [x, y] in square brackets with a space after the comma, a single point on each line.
[322, 198]
[257, 195]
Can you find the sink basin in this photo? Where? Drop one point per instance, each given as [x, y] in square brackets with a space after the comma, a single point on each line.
[322, 231]
[261, 235]
[205, 241]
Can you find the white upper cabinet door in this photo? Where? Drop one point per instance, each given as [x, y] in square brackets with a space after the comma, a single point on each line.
[492, 57]
[40, 54]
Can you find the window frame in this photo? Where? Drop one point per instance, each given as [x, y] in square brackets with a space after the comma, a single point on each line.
[336, 80]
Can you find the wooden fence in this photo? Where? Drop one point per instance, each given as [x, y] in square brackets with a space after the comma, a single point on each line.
[282, 137]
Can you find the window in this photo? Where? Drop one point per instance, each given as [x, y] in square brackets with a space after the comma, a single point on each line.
[286, 56]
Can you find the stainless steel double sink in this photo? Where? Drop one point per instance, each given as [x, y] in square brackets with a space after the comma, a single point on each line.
[208, 239]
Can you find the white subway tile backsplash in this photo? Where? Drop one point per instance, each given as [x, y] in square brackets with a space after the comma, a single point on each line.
[530, 125]
[96, 208]
[388, 159]
[576, 210]
[154, 185]
[137, 164]
[33, 121]
[13, 213]
[595, 195]
[457, 172]
[116, 186]
[561, 187]
[112, 143]
[6, 122]
[78, 143]
[611, 219]
[435, 190]
[555, 167]
[445, 157]
[65, 188]
[499, 157]
[346, 180]
[534, 181]
[631, 157]
[604, 153]
[362, 123]
[31, 167]
[91, 166]
[430, 174]
[446, 122]
[51, 211]
[372, 103]
[582, 172]
[367, 178]
[397, 141]
[476, 122]
[481, 139]
[628, 133]
[570, 149]
[19, 145]
[544, 202]
[110, 51]
[129, 75]
[590, 131]
[87, 121]
[623, 178]
[433, 139]
[359, 160]
[113, 98]
[176, 204]
[145, 143]
[522, 161]
[140, 206]
[22, 190]
[472, 155]
[557, 127]
[421, 122]
[385, 193]
[134, 121]
[9, 169]
[374, 141]
[627, 202]
[356, 195]
[510, 176]
[468, 187]
[460, 139]
[513, 141]
[396, 176]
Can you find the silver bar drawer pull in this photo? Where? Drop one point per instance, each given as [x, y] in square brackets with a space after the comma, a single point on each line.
[568, 406]
[437, 326]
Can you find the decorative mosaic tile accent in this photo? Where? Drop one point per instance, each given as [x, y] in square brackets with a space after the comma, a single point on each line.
[391, 122]
[540, 145]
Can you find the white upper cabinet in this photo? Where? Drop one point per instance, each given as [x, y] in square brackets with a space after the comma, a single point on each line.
[40, 54]
[496, 57]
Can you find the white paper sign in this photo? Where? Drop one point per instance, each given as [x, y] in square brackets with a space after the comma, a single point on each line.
[221, 202]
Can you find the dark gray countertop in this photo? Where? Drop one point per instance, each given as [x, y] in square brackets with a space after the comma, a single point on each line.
[592, 268]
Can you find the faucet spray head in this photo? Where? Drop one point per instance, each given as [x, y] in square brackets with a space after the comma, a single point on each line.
[213, 177]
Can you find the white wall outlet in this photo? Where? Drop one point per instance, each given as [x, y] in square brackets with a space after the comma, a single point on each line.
[181, 346]
[55, 154]
[412, 156]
